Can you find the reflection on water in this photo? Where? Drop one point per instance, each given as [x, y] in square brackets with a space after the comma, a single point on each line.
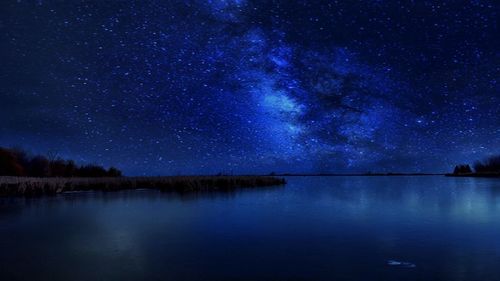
[315, 228]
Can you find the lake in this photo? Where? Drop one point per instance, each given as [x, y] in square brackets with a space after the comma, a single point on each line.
[314, 228]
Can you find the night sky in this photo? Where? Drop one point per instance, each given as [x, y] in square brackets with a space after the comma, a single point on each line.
[190, 87]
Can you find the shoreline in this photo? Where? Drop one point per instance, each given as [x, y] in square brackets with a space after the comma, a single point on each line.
[474, 175]
[28, 186]
[358, 175]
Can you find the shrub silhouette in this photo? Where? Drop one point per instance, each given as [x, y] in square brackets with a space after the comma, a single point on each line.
[15, 162]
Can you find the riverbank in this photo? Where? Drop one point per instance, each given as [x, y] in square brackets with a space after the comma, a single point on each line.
[26, 186]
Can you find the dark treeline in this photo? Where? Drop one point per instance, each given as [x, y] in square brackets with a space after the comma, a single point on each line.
[489, 166]
[462, 169]
[16, 162]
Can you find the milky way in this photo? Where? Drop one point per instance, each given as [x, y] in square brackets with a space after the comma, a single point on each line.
[168, 87]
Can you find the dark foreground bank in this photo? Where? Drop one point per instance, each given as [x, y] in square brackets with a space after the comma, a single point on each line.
[25, 186]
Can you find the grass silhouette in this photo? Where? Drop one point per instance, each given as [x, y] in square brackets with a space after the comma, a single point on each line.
[26, 186]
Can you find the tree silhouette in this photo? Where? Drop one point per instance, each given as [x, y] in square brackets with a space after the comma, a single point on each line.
[462, 169]
[9, 164]
[490, 165]
[15, 162]
[114, 172]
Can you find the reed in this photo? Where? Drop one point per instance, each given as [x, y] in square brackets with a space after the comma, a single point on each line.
[25, 186]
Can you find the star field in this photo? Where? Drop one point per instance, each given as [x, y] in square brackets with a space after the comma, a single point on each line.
[170, 87]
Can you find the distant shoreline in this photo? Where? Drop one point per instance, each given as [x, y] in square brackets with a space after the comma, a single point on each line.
[475, 175]
[359, 175]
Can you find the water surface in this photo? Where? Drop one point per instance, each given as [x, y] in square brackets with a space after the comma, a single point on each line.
[315, 228]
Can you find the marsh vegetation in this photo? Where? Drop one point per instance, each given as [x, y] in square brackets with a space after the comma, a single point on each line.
[26, 186]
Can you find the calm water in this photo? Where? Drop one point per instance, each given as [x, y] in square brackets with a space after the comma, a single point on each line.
[315, 228]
